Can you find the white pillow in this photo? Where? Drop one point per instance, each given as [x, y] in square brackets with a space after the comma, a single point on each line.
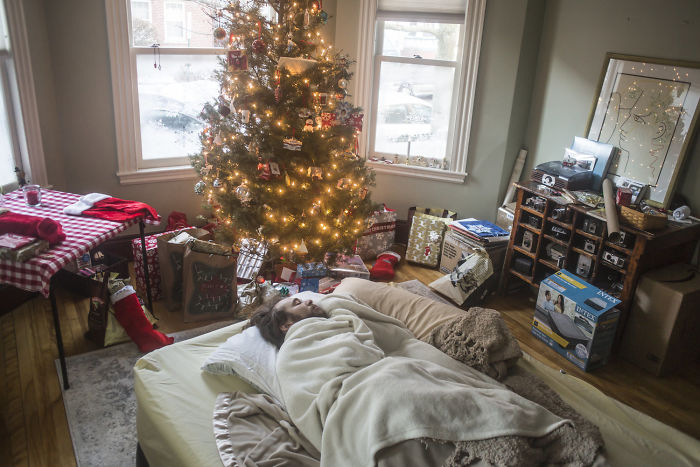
[250, 357]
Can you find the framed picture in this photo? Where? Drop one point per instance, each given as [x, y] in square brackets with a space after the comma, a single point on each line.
[648, 109]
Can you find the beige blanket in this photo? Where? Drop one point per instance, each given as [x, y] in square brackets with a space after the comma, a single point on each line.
[359, 382]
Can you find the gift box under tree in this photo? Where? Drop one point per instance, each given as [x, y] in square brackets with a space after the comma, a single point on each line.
[153, 266]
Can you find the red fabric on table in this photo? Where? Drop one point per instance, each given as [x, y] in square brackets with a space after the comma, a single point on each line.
[32, 226]
[120, 210]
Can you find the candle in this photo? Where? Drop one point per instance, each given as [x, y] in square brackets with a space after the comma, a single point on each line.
[32, 195]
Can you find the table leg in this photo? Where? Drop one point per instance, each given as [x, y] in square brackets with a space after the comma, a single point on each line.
[59, 338]
[145, 268]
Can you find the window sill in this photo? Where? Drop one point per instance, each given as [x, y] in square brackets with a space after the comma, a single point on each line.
[161, 174]
[425, 173]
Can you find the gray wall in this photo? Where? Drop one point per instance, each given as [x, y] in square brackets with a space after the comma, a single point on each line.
[575, 38]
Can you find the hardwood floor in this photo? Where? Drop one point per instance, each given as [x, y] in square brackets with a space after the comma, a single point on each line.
[34, 430]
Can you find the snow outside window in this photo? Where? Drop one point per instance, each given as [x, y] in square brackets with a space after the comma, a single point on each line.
[164, 57]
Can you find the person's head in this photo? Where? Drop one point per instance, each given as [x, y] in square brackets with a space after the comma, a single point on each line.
[275, 317]
[547, 295]
[560, 300]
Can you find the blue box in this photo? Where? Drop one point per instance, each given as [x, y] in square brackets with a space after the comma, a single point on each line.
[309, 284]
[576, 319]
[311, 270]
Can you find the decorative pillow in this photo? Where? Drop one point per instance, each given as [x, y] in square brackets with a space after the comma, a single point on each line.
[250, 357]
[420, 314]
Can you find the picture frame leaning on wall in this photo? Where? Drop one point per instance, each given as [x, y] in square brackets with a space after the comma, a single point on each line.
[648, 108]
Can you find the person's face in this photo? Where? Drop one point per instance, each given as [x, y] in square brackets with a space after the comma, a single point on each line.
[547, 296]
[296, 310]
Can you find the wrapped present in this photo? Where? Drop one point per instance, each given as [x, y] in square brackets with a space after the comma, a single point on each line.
[151, 261]
[309, 284]
[349, 266]
[379, 235]
[154, 274]
[425, 239]
[311, 270]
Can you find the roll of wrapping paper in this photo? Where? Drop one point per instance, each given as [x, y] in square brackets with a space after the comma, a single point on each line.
[611, 212]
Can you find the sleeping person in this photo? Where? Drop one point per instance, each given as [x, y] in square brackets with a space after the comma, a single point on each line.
[364, 391]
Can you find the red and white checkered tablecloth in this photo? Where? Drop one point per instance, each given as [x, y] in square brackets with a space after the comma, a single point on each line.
[82, 234]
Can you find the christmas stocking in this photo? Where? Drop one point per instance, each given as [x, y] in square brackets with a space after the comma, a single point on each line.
[130, 315]
[383, 269]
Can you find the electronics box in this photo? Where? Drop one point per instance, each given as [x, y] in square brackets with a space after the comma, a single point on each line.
[455, 245]
[505, 216]
[553, 174]
[664, 322]
[581, 324]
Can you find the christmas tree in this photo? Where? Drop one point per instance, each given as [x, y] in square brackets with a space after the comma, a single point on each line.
[279, 160]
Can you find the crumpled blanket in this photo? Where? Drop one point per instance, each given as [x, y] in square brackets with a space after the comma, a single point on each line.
[359, 382]
[253, 430]
[480, 339]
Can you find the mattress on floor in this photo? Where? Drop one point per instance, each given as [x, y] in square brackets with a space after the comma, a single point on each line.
[176, 400]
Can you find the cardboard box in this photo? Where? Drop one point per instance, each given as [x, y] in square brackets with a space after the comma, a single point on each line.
[349, 266]
[454, 245]
[664, 322]
[505, 216]
[576, 319]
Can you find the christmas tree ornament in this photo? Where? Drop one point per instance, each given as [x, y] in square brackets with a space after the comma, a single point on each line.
[291, 144]
[204, 171]
[243, 193]
[383, 269]
[217, 183]
[323, 16]
[278, 81]
[199, 187]
[220, 33]
[245, 115]
[355, 121]
[307, 19]
[259, 45]
[290, 45]
[296, 65]
[308, 125]
[316, 173]
[342, 83]
[274, 168]
[218, 139]
[342, 112]
[327, 120]
[315, 5]
[237, 60]
[301, 250]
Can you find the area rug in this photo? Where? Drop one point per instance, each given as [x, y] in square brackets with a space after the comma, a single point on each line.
[101, 405]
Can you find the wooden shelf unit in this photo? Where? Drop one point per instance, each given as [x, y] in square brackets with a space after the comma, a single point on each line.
[641, 252]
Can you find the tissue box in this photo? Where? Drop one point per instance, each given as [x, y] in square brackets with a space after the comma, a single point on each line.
[576, 319]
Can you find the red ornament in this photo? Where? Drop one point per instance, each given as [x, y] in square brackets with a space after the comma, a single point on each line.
[355, 121]
[259, 46]
[327, 120]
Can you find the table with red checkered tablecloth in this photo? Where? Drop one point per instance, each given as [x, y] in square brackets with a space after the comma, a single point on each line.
[82, 235]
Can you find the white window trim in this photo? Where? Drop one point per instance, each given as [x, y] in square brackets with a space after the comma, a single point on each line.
[31, 147]
[131, 168]
[471, 46]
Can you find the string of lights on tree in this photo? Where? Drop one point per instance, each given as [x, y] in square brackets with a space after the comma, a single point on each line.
[279, 160]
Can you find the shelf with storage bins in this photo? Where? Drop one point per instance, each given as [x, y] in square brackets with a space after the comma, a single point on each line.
[585, 244]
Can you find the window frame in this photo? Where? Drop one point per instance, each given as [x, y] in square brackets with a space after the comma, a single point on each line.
[379, 59]
[180, 39]
[20, 97]
[465, 85]
[132, 168]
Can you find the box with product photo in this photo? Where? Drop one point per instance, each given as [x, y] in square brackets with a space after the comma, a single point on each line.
[576, 319]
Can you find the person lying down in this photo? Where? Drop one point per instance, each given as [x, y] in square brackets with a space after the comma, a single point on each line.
[363, 391]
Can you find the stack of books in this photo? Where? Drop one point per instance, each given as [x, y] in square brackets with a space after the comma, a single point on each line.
[20, 248]
[483, 232]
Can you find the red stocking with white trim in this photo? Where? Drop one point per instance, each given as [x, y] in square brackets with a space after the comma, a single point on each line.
[130, 315]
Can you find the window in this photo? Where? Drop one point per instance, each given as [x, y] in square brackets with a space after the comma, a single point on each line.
[20, 138]
[163, 66]
[422, 73]
[175, 27]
